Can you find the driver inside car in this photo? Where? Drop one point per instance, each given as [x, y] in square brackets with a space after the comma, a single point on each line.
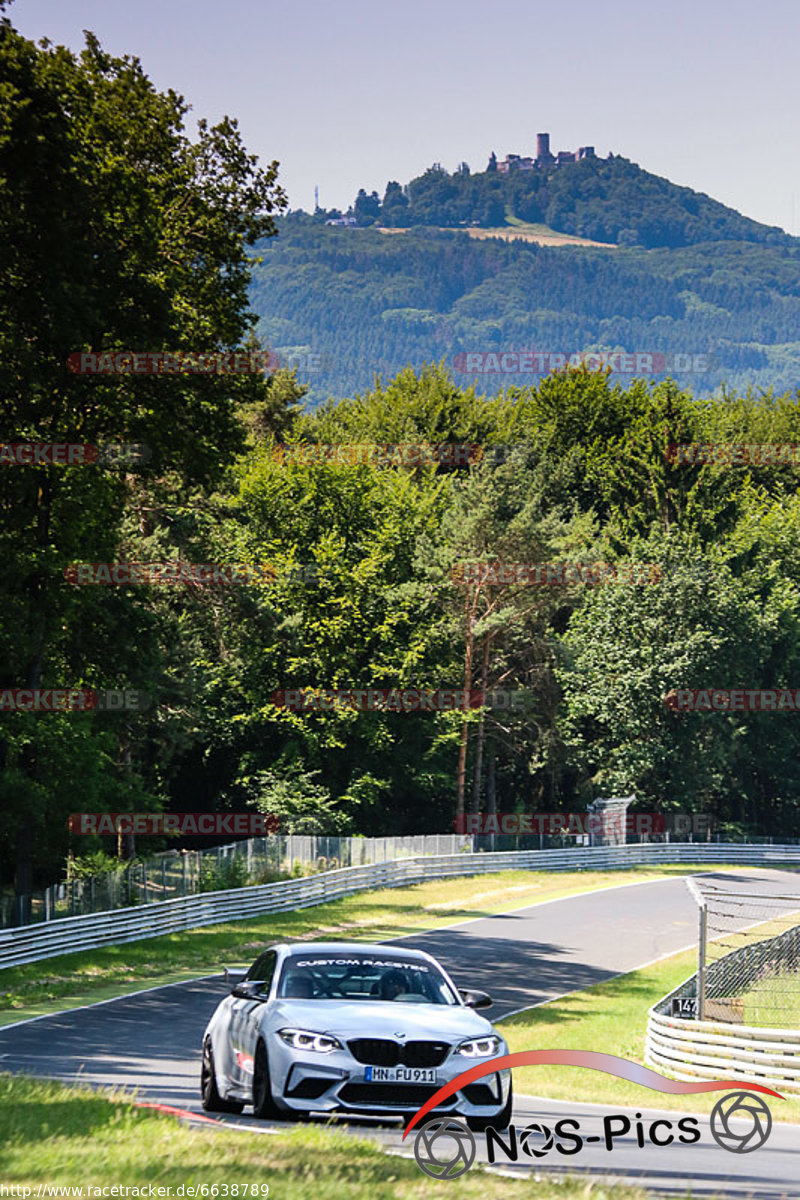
[393, 984]
[299, 986]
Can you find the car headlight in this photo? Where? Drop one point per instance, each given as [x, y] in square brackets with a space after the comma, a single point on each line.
[483, 1047]
[304, 1039]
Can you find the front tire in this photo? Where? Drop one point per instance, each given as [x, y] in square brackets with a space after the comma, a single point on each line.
[263, 1104]
[209, 1093]
[501, 1121]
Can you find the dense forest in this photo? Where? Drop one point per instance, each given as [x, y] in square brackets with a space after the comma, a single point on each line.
[346, 305]
[360, 583]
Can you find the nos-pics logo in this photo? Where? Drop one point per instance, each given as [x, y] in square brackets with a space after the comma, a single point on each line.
[445, 1148]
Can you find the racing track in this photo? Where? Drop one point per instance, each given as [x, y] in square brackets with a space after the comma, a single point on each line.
[151, 1040]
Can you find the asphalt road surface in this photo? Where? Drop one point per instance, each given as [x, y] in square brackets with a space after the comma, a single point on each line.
[151, 1041]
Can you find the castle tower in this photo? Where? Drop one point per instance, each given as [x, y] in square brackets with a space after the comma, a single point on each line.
[543, 145]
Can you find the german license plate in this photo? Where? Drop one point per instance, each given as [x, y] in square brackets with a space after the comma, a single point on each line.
[400, 1075]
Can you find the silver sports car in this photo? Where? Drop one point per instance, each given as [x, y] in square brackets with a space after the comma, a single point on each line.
[349, 1027]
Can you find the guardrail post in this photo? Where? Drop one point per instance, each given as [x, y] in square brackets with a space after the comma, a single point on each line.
[701, 961]
[702, 937]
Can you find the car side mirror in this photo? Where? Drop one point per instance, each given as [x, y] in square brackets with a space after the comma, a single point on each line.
[475, 999]
[249, 989]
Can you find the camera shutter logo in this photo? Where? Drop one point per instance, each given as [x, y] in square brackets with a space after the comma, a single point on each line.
[739, 1107]
[529, 1142]
[444, 1148]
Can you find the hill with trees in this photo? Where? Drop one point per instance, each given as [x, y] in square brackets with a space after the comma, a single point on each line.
[606, 199]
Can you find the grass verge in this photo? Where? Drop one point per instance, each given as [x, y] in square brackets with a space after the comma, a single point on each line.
[71, 1137]
[74, 979]
[611, 1017]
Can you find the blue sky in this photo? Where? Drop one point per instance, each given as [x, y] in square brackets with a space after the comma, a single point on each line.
[351, 93]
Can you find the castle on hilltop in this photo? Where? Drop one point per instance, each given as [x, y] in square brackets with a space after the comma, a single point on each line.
[544, 158]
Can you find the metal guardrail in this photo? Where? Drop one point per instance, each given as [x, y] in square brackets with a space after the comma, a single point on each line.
[171, 874]
[689, 1049]
[31, 943]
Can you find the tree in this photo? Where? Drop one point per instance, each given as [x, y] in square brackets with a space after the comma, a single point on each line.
[118, 232]
[492, 212]
[301, 804]
[628, 648]
[394, 210]
[367, 208]
[495, 518]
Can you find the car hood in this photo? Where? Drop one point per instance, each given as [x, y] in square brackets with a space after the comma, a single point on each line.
[380, 1018]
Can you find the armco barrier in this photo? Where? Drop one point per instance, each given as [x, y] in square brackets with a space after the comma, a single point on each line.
[691, 1049]
[172, 874]
[69, 934]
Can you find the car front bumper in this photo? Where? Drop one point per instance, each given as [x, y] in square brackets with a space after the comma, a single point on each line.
[305, 1082]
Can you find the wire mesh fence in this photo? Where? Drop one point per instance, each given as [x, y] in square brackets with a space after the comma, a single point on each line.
[254, 861]
[749, 955]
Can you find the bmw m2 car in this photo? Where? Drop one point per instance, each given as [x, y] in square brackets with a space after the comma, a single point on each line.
[350, 1028]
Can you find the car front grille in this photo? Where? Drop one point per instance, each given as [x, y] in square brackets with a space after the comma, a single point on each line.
[390, 1095]
[381, 1052]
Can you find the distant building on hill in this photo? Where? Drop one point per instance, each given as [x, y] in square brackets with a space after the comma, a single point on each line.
[544, 157]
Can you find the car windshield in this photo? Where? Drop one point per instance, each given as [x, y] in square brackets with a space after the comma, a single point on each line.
[363, 977]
